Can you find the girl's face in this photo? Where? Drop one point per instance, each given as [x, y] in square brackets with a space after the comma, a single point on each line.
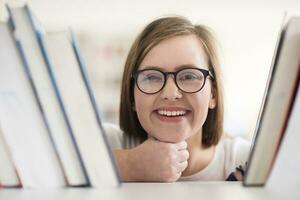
[153, 110]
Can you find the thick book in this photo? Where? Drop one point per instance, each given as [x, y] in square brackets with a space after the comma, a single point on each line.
[8, 173]
[24, 121]
[80, 107]
[277, 104]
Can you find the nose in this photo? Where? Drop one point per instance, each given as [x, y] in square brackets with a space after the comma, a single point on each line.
[171, 91]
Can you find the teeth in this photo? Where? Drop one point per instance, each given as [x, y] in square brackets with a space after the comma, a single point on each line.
[172, 113]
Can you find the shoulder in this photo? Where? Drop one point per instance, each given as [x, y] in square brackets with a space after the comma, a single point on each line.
[114, 135]
[236, 147]
[236, 151]
[117, 139]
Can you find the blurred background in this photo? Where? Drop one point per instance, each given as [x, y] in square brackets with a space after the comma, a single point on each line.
[246, 31]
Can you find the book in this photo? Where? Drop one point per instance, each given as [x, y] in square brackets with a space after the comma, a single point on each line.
[277, 104]
[62, 134]
[110, 174]
[286, 170]
[8, 173]
[59, 129]
[22, 120]
[72, 85]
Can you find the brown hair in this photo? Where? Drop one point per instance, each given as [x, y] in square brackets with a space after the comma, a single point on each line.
[157, 31]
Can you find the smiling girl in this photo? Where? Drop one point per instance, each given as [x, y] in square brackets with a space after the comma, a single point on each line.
[171, 111]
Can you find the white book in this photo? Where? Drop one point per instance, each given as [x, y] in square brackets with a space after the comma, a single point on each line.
[277, 104]
[62, 132]
[57, 123]
[22, 119]
[80, 108]
[8, 173]
[28, 32]
[285, 175]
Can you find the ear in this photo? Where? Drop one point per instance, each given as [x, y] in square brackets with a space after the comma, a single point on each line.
[213, 98]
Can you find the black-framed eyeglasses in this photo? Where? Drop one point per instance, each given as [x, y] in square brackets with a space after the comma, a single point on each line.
[188, 80]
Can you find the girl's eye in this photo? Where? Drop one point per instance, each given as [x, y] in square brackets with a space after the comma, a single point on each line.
[188, 77]
[152, 78]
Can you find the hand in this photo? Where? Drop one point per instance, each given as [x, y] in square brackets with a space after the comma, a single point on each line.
[154, 160]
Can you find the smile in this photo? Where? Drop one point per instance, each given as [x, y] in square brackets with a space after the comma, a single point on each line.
[171, 113]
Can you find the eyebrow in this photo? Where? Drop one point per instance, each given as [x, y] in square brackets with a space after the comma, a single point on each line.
[176, 68]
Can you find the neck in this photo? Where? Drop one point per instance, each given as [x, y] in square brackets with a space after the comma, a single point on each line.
[200, 156]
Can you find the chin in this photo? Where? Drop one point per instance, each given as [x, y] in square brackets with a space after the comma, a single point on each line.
[172, 138]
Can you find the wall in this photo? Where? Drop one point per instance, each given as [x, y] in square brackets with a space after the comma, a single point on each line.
[246, 30]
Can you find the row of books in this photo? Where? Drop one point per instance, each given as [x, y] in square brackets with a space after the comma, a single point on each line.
[50, 129]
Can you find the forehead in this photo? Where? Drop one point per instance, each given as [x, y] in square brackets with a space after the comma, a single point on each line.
[172, 53]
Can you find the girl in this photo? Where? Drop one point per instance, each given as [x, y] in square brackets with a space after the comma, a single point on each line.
[171, 111]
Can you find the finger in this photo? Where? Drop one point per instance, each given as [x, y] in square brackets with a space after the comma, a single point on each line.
[183, 155]
[181, 166]
[178, 175]
[181, 145]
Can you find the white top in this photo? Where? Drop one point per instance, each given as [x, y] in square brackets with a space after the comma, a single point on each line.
[229, 154]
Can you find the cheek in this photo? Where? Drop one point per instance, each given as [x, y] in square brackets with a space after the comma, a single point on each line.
[143, 106]
[200, 110]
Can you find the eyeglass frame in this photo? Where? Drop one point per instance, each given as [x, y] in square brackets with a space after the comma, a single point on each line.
[205, 72]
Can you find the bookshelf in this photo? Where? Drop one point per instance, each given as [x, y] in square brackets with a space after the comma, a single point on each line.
[159, 191]
[214, 190]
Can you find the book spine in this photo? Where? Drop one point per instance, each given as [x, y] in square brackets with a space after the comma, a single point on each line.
[10, 21]
[29, 77]
[50, 131]
[44, 117]
[287, 117]
[264, 103]
[11, 28]
[19, 178]
[11, 160]
[62, 107]
[93, 101]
